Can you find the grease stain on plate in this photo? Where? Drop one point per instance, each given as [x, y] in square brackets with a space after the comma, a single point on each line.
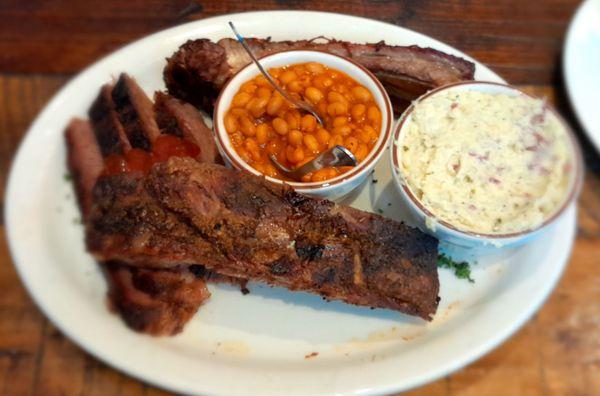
[447, 313]
[374, 339]
[233, 348]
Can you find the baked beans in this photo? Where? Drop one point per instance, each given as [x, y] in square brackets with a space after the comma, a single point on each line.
[261, 122]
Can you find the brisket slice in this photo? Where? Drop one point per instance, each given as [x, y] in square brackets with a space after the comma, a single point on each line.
[238, 225]
[158, 302]
[84, 161]
[152, 301]
[181, 119]
[135, 112]
[107, 127]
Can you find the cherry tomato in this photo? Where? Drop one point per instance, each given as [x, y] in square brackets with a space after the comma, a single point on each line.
[115, 164]
[191, 149]
[167, 146]
[164, 147]
[139, 160]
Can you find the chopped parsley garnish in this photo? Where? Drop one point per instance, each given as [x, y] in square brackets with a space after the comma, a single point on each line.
[67, 177]
[462, 270]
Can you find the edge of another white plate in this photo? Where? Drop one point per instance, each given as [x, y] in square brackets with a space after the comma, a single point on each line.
[590, 126]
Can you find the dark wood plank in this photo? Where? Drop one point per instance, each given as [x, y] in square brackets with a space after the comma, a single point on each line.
[21, 330]
[21, 98]
[22, 326]
[521, 40]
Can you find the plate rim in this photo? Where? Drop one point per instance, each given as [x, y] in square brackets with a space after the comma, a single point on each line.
[174, 385]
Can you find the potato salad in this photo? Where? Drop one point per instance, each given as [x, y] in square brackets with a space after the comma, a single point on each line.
[486, 163]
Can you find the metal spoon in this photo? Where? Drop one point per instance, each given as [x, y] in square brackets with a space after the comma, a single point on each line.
[335, 156]
[298, 103]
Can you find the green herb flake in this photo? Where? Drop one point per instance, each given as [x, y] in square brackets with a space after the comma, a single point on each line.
[462, 270]
[379, 210]
[67, 177]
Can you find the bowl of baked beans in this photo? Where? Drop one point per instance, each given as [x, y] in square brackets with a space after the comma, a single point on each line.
[252, 120]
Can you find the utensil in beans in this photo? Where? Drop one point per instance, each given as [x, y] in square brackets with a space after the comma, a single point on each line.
[298, 103]
[335, 156]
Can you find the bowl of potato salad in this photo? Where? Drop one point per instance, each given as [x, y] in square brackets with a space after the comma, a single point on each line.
[485, 164]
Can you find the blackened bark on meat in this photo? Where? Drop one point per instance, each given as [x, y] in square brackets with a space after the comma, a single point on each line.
[197, 71]
[198, 270]
[135, 112]
[308, 251]
[280, 266]
[107, 127]
[365, 260]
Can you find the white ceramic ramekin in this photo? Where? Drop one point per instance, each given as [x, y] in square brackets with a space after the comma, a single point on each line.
[446, 232]
[338, 186]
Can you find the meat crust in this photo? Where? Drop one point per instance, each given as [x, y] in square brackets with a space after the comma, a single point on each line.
[238, 225]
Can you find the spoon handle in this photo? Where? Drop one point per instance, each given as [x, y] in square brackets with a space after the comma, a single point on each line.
[298, 103]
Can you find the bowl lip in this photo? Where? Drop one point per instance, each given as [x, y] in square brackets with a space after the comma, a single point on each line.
[347, 177]
[576, 185]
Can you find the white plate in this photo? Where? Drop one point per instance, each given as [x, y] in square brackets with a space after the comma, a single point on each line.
[256, 344]
[582, 67]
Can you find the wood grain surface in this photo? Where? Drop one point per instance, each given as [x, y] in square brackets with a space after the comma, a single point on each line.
[42, 43]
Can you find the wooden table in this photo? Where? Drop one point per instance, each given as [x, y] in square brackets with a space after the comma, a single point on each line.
[42, 44]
